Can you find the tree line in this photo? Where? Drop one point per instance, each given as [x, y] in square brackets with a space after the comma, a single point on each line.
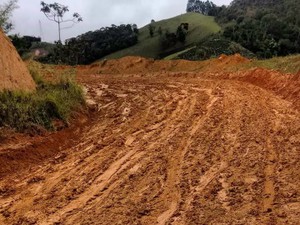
[93, 45]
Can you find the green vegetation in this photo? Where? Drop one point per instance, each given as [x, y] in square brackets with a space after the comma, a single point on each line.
[287, 64]
[6, 10]
[207, 8]
[156, 40]
[175, 55]
[51, 101]
[91, 46]
[27, 45]
[260, 28]
[213, 46]
[268, 28]
[24, 44]
[200, 26]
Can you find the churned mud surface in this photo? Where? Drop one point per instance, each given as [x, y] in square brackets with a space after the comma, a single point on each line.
[163, 148]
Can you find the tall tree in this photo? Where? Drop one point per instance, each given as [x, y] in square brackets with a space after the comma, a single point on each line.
[135, 28]
[181, 33]
[159, 31]
[55, 12]
[151, 28]
[5, 13]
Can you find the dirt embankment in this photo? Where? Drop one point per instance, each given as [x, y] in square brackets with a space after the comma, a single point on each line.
[14, 75]
[286, 86]
[173, 147]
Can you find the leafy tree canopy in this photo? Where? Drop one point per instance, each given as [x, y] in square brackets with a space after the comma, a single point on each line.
[5, 14]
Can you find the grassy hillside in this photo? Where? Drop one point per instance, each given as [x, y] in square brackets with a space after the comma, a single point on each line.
[200, 26]
[287, 64]
[176, 54]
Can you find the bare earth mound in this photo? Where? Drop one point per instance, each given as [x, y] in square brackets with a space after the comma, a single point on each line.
[177, 147]
[14, 74]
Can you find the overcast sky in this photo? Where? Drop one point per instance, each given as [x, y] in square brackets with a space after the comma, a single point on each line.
[29, 20]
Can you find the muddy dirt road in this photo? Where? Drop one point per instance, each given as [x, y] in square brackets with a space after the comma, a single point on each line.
[168, 151]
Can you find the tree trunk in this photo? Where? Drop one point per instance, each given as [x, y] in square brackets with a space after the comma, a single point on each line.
[59, 35]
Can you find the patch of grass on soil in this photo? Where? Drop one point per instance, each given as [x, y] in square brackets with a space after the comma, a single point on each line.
[50, 102]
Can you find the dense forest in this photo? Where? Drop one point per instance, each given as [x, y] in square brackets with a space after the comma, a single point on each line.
[25, 43]
[265, 27]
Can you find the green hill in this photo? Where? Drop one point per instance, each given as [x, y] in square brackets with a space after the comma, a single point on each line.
[200, 26]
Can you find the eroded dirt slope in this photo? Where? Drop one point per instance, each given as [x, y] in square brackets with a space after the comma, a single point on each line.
[13, 73]
[168, 148]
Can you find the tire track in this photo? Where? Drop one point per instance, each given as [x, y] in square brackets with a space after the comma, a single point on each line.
[185, 152]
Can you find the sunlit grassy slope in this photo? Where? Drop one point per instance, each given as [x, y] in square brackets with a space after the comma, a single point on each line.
[287, 64]
[174, 55]
[199, 27]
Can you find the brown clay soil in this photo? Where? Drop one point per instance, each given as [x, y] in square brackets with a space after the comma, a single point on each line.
[13, 73]
[173, 147]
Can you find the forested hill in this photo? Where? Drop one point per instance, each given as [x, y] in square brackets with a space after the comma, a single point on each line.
[266, 27]
[287, 10]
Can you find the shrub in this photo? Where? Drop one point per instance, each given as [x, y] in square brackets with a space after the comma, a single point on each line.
[51, 101]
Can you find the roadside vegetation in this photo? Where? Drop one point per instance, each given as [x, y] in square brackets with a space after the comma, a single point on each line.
[52, 101]
[287, 64]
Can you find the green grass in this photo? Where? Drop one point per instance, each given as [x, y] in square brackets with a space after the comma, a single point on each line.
[51, 101]
[200, 26]
[286, 64]
[175, 55]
